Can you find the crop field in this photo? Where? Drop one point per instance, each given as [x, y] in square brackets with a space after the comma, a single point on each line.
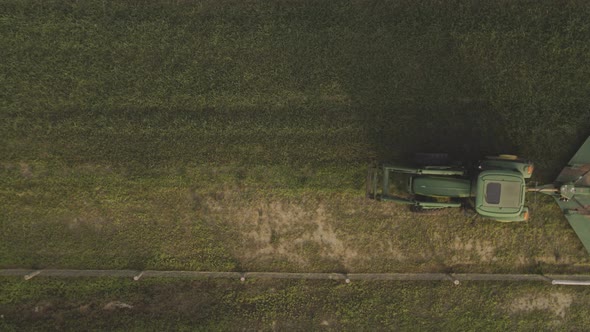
[42, 304]
[235, 135]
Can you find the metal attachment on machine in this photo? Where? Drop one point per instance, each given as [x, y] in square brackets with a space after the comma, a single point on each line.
[567, 192]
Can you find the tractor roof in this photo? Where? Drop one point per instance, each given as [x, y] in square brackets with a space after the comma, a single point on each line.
[500, 193]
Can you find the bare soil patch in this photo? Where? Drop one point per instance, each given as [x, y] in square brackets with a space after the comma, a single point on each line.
[556, 303]
[115, 305]
[25, 170]
[472, 251]
[297, 232]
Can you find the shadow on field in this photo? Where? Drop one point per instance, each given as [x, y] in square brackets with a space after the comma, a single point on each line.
[438, 105]
[417, 90]
[438, 79]
[465, 130]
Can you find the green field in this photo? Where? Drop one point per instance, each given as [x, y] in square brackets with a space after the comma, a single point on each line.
[258, 305]
[235, 136]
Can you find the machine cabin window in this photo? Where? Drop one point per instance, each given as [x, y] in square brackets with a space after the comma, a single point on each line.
[493, 193]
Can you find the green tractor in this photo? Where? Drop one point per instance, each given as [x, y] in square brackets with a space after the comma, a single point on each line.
[494, 188]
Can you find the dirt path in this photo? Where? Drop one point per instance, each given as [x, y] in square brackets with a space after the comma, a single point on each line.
[456, 278]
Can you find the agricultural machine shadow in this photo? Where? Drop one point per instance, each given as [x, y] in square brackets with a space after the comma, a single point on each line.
[466, 130]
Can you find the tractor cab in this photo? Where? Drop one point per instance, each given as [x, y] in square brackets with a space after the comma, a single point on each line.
[500, 195]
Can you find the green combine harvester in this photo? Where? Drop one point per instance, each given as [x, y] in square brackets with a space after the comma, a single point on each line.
[494, 187]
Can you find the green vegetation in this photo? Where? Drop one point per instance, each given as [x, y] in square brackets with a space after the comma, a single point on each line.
[46, 304]
[229, 135]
